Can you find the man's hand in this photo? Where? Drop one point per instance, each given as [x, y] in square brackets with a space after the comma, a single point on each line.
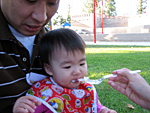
[133, 86]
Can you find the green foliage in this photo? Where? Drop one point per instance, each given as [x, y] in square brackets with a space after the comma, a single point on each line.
[69, 19]
[68, 16]
[110, 8]
[102, 60]
[142, 4]
[89, 6]
[59, 20]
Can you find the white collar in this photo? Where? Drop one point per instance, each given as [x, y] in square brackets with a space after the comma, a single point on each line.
[27, 41]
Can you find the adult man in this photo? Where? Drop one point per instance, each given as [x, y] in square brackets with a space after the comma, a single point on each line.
[22, 25]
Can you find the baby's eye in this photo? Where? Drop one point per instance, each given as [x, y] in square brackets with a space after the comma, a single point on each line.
[82, 64]
[31, 1]
[67, 67]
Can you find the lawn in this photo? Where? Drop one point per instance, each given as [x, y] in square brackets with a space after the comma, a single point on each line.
[102, 60]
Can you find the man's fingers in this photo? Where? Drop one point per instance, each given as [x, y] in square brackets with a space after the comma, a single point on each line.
[123, 69]
[125, 74]
[119, 79]
[118, 86]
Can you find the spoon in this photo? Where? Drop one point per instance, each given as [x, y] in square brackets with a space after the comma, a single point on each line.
[98, 81]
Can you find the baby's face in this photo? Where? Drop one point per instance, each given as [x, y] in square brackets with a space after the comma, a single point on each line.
[67, 68]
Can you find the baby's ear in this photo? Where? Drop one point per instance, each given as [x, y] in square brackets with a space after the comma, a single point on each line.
[48, 69]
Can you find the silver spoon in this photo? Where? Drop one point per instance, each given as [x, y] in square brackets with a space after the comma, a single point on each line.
[98, 81]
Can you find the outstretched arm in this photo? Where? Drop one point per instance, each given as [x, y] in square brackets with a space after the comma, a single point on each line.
[133, 86]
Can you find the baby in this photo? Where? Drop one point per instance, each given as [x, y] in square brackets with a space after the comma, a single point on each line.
[63, 56]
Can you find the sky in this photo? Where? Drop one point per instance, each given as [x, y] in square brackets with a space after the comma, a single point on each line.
[76, 6]
[126, 7]
[123, 7]
[129, 7]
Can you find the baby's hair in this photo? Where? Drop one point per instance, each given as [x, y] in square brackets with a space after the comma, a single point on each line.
[60, 37]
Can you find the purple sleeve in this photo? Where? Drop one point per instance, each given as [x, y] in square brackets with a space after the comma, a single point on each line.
[99, 106]
[42, 109]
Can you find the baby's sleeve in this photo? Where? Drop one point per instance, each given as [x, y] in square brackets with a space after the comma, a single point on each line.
[42, 109]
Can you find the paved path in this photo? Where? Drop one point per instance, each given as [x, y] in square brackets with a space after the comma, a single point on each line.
[139, 39]
[119, 43]
[127, 37]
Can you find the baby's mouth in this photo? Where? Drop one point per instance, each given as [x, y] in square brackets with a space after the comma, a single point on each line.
[74, 81]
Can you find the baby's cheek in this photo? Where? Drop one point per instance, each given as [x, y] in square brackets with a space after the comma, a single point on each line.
[85, 73]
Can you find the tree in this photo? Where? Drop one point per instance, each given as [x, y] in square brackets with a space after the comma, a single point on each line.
[68, 16]
[110, 8]
[142, 4]
[59, 20]
[88, 6]
[69, 19]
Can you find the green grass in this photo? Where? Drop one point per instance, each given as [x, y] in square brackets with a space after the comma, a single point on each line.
[103, 60]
